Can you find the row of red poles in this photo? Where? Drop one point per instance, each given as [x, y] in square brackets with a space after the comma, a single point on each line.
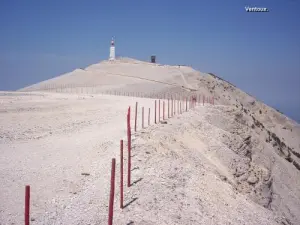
[113, 171]
[189, 103]
[181, 107]
[173, 106]
[161, 96]
[118, 93]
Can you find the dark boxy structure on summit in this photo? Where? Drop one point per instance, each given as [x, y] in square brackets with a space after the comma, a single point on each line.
[153, 59]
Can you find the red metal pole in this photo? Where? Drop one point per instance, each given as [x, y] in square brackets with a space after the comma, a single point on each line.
[186, 104]
[129, 147]
[128, 120]
[168, 108]
[213, 100]
[121, 175]
[129, 113]
[149, 118]
[159, 110]
[143, 117]
[112, 192]
[155, 112]
[27, 204]
[163, 110]
[192, 101]
[129, 161]
[180, 107]
[172, 108]
[175, 106]
[136, 105]
[129, 136]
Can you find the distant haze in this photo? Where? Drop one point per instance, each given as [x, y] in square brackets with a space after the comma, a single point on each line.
[258, 52]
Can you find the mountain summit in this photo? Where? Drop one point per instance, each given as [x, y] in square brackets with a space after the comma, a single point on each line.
[236, 161]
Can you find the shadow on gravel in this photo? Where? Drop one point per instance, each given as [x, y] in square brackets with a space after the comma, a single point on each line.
[135, 168]
[135, 182]
[129, 203]
[130, 223]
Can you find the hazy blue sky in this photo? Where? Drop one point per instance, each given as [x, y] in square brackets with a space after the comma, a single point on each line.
[259, 52]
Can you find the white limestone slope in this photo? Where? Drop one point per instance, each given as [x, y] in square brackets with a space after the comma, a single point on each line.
[233, 163]
[119, 75]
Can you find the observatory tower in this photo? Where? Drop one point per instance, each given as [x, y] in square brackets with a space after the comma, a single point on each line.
[112, 52]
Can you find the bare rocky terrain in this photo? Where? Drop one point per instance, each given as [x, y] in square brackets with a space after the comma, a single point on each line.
[234, 162]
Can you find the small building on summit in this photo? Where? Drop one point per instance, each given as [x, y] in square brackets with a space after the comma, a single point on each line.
[153, 59]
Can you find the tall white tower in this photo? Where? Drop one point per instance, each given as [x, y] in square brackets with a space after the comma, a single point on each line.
[112, 52]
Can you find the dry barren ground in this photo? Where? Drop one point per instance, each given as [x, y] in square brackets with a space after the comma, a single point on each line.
[212, 165]
[47, 141]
